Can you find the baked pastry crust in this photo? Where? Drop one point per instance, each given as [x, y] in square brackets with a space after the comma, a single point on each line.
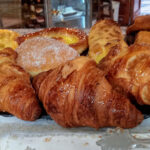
[75, 38]
[106, 40]
[131, 73]
[140, 23]
[77, 94]
[17, 95]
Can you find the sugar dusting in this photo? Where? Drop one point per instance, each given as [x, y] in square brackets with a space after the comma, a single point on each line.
[43, 53]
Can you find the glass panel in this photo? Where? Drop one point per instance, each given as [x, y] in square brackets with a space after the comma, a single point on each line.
[33, 13]
[45, 13]
[10, 14]
[70, 13]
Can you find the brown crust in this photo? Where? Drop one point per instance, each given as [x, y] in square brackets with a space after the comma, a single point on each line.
[17, 95]
[107, 21]
[106, 43]
[131, 73]
[80, 46]
[83, 97]
[140, 23]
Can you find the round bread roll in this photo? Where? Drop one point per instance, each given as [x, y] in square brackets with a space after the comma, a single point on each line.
[40, 54]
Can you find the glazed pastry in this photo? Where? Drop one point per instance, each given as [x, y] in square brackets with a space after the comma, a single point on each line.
[106, 41]
[8, 39]
[75, 38]
[77, 94]
[40, 54]
[132, 72]
[17, 96]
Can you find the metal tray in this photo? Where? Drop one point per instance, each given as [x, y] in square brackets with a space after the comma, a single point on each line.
[45, 134]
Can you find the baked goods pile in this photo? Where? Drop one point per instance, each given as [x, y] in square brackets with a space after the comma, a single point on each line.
[97, 90]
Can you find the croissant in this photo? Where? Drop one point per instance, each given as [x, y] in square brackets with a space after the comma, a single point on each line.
[141, 23]
[131, 73]
[17, 96]
[77, 94]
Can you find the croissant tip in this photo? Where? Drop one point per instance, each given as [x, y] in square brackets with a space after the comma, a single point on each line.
[33, 116]
[140, 118]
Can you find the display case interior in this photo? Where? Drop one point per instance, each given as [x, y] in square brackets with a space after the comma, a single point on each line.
[69, 13]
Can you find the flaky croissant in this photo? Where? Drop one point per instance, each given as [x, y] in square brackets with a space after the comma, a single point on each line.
[132, 73]
[16, 93]
[77, 94]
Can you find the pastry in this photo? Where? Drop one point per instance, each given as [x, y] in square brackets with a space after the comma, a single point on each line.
[131, 73]
[77, 94]
[141, 23]
[8, 39]
[75, 38]
[106, 42]
[39, 10]
[17, 96]
[39, 54]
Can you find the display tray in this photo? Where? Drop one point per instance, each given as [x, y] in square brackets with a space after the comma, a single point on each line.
[45, 134]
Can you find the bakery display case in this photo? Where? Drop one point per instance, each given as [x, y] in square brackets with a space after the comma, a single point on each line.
[69, 13]
[60, 13]
[78, 88]
[33, 14]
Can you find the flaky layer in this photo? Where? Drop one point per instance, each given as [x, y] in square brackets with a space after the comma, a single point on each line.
[77, 94]
[131, 72]
[16, 93]
[106, 42]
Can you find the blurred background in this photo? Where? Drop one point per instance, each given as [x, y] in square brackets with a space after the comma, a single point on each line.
[68, 13]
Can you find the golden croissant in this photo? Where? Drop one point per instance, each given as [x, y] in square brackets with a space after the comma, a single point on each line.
[77, 94]
[16, 93]
[132, 73]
